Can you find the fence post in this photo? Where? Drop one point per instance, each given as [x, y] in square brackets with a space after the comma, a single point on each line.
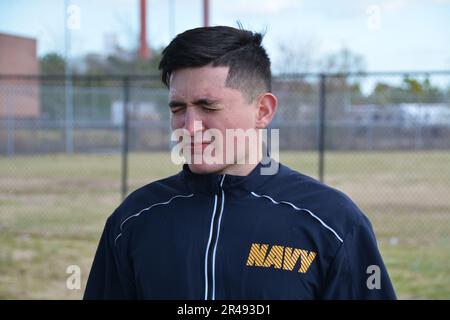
[322, 109]
[69, 114]
[9, 121]
[125, 134]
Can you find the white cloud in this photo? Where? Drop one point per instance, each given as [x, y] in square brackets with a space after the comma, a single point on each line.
[394, 6]
[441, 1]
[262, 6]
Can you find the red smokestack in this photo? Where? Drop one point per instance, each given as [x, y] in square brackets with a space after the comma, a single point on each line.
[205, 13]
[144, 51]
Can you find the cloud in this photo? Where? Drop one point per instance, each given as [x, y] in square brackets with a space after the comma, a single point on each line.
[393, 6]
[262, 6]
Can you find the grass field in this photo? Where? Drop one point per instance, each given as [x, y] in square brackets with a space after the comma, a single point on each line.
[53, 208]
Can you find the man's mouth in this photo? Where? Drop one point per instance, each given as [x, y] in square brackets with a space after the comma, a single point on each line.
[200, 145]
[203, 144]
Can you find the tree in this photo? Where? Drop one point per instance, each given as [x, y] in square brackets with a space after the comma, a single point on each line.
[122, 62]
[408, 91]
[413, 87]
[52, 98]
[342, 89]
[343, 61]
[295, 57]
[51, 64]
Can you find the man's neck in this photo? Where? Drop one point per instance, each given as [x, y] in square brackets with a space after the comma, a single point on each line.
[240, 169]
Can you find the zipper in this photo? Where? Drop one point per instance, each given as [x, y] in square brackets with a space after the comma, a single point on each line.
[210, 256]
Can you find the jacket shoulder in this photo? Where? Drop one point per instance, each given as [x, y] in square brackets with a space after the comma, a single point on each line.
[158, 191]
[332, 206]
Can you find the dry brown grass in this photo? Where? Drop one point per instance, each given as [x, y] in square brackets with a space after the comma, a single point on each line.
[53, 208]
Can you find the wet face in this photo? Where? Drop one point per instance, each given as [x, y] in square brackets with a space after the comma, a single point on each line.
[200, 95]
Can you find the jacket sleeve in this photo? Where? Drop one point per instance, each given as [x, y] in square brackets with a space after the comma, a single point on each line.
[358, 271]
[109, 278]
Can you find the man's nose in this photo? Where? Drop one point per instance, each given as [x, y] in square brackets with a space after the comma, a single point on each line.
[192, 122]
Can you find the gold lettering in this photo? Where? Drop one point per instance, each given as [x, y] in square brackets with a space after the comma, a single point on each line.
[257, 254]
[275, 257]
[290, 258]
[306, 259]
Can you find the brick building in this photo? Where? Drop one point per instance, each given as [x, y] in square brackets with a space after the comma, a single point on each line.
[19, 99]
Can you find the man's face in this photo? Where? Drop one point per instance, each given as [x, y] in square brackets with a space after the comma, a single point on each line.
[200, 94]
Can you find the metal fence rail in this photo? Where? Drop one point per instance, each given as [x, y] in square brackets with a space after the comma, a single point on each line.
[317, 112]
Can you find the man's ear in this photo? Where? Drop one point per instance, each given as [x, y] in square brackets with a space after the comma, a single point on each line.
[267, 106]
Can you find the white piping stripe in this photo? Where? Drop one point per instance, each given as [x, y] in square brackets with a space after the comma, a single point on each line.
[221, 182]
[146, 209]
[207, 247]
[215, 248]
[300, 209]
[115, 240]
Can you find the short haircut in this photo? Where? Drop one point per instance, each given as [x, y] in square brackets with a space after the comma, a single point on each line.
[238, 49]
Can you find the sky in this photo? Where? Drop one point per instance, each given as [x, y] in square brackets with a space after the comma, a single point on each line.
[395, 35]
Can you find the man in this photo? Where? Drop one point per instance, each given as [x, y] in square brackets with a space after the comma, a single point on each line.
[221, 229]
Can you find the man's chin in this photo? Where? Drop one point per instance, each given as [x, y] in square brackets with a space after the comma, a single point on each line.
[206, 168]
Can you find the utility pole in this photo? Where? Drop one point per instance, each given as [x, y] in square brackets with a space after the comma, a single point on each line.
[144, 51]
[205, 13]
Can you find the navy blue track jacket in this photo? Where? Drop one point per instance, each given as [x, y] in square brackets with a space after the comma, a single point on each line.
[210, 236]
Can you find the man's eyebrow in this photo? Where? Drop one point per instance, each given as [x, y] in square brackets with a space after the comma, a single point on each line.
[175, 103]
[198, 102]
[205, 101]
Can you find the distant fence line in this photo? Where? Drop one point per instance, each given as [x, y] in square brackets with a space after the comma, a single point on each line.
[353, 111]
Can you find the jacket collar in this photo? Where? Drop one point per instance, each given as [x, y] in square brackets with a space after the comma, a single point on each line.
[212, 183]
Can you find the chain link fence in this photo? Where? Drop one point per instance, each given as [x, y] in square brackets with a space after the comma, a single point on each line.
[67, 158]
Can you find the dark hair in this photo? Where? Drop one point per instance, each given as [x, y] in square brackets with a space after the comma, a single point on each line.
[238, 49]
